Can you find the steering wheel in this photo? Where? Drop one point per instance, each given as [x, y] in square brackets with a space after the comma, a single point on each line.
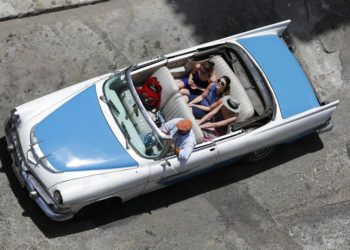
[150, 140]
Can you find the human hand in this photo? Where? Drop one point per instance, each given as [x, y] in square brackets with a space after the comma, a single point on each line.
[177, 151]
[172, 148]
[192, 84]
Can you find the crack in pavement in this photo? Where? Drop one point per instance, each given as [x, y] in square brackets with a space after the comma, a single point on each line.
[33, 10]
[110, 45]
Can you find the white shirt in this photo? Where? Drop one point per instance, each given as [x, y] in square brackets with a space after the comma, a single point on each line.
[185, 143]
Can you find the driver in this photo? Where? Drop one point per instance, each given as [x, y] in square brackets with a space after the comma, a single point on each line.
[181, 131]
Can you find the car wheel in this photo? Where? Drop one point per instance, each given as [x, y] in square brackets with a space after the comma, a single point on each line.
[258, 155]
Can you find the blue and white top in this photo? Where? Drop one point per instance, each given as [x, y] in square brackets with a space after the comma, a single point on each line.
[211, 97]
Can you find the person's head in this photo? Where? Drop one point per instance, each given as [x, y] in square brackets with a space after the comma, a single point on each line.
[231, 104]
[184, 126]
[223, 85]
[207, 68]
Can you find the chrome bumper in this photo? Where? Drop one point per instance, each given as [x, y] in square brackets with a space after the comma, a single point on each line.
[36, 191]
[326, 127]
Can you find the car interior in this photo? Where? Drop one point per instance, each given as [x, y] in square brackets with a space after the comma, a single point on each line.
[247, 85]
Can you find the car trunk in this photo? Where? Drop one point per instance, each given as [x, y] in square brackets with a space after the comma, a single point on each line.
[287, 79]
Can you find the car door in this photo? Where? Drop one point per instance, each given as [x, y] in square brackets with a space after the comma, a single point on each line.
[275, 132]
[169, 169]
[231, 146]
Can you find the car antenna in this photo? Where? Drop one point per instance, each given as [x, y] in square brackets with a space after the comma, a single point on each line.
[115, 68]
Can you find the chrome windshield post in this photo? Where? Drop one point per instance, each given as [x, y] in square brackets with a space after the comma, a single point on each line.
[167, 144]
[144, 112]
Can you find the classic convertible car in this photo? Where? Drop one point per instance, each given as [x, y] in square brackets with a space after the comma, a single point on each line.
[96, 140]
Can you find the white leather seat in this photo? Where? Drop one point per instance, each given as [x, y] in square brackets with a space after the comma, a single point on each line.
[172, 103]
[237, 91]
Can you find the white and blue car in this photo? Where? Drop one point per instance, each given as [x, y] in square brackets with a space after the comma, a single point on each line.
[95, 140]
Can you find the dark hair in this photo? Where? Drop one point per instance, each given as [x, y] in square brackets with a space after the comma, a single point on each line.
[208, 67]
[227, 87]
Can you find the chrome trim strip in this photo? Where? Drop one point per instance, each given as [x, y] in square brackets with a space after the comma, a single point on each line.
[326, 127]
[43, 200]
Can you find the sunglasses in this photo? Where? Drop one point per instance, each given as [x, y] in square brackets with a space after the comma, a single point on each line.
[221, 83]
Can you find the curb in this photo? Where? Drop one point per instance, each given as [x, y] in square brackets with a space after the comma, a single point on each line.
[14, 9]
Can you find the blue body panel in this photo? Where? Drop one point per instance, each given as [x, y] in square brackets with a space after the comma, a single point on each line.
[291, 86]
[77, 137]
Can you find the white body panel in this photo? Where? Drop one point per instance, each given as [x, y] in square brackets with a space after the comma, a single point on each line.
[275, 132]
[127, 182]
[79, 188]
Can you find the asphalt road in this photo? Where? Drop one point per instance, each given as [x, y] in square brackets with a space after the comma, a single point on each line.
[297, 198]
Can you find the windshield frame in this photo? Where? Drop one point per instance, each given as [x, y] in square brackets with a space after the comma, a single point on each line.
[166, 139]
[143, 110]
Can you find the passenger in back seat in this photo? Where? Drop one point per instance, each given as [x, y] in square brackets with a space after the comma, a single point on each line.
[220, 117]
[207, 101]
[198, 80]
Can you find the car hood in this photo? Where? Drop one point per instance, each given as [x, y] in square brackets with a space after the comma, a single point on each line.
[291, 86]
[76, 137]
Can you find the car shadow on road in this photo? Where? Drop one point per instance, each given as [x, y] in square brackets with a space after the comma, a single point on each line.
[216, 19]
[111, 213]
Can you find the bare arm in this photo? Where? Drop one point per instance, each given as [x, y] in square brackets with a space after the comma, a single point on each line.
[210, 114]
[201, 96]
[202, 107]
[219, 124]
[193, 72]
[206, 108]
[225, 122]
[196, 100]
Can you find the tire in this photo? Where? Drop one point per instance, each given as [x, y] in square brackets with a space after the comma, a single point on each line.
[258, 155]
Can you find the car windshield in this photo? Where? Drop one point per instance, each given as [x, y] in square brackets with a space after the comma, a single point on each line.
[130, 119]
